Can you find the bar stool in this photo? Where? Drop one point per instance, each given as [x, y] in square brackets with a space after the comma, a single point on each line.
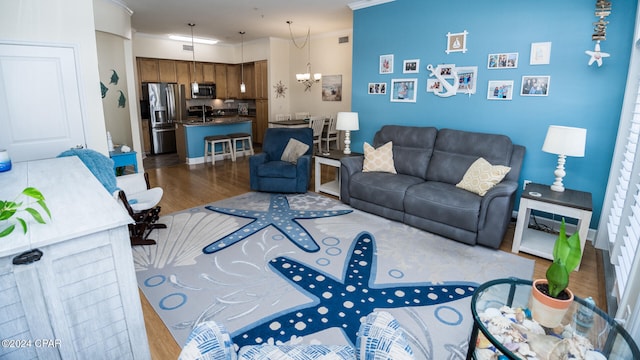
[241, 143]
[225, 143]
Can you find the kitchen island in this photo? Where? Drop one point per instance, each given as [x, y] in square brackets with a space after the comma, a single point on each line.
[190, 135]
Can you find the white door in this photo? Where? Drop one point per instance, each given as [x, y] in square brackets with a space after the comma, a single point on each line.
[41, 110]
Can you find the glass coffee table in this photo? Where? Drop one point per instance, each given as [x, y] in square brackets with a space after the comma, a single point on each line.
[582, 322]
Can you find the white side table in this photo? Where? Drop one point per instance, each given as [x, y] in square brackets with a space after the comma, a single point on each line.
[331, 159]
[570, 203]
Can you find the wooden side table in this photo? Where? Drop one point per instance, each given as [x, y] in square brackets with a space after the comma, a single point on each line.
[331, 159]
[570, 203]
[122, 159]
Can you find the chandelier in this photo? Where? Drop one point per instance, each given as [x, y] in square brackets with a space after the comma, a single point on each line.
[308, 78]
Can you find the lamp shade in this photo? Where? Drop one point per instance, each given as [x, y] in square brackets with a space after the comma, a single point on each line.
[347, 121]
[564, 140]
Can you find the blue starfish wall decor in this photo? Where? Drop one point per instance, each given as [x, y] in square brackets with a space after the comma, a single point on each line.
[281, 216]
[343, 302]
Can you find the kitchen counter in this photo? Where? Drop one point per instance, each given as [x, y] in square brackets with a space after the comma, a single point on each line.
[190, 134]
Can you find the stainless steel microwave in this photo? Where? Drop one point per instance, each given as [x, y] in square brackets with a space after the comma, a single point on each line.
[205, 91]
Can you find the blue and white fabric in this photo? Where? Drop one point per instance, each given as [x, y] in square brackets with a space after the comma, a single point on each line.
[297, 352]
[209, 341]
[381, 338]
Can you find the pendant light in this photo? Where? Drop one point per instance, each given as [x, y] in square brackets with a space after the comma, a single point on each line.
[307, 79]
[194, 84]
[243, 88]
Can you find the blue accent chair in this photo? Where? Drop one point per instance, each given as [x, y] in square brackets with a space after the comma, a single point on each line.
[270, 174]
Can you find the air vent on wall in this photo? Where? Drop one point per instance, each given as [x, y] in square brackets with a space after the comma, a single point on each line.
[187, 47]
[343, 39]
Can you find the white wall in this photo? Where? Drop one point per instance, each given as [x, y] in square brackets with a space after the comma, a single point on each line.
[63, 22]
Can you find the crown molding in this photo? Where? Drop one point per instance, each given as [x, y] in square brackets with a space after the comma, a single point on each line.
[361, 4]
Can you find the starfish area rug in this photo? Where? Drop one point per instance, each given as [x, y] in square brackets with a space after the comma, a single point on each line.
[306, 269]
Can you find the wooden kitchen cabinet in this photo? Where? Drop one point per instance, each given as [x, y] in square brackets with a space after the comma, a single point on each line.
[208, 73]
[249, 81]
[167, 71]
[233, 81]
[183, 76]
[262, 120]
[261, 80]
[80, 299]
[148, 70]
[221, 80]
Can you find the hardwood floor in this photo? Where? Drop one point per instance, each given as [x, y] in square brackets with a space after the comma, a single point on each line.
[187, 186]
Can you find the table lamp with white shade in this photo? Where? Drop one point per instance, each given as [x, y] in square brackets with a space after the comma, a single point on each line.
[347, 121]
[564, 141]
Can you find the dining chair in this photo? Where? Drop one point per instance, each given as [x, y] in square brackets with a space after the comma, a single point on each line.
[283, 117]
[301, 115]
[317, 124]
[331, 134]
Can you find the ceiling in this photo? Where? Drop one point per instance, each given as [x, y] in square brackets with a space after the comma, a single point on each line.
[224, 19]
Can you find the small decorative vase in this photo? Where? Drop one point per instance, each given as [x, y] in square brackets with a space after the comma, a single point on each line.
[548, 311]
[5, 161]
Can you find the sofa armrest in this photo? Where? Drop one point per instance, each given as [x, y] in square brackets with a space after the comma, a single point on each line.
[495, 213]
[255, 161]
[303, 170]
[348, 166]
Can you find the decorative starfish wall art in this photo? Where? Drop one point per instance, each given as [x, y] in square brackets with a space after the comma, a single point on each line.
[279, 215]
[341, 303]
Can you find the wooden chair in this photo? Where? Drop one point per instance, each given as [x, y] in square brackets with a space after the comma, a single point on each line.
[301, 115]
[283, 117]
[317, 124]
[331, 134]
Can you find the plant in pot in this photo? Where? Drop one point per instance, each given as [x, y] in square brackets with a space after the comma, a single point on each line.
[11, 208]
[551, 297]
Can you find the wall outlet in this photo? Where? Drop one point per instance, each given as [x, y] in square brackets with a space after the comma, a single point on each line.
[525, 183]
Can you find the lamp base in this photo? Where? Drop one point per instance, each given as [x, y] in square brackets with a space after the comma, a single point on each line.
[559, 174]
[347, 142]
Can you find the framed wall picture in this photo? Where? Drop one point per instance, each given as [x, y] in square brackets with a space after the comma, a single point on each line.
[386, 64]
[411, 66]
[502, 61]
[540, 53]
[500, 90]
[404, 90]
[467, 79]
[332, 88]
[434, 85]
[535, 85]
[377, 88]
[457, 42]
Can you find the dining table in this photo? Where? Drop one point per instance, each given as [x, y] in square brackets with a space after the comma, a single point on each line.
[290, 123]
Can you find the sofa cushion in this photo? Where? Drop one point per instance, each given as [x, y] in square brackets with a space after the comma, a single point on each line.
[482, 176]
[277, 169]
[294, 150]
[412, 147]
[444, 203]
[380, 159]
[456, 150]
[382, 188]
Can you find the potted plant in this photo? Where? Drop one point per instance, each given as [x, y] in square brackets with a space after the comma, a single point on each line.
[9, 208]
[550, 297]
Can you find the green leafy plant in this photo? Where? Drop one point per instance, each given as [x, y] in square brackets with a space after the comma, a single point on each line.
[9, 209]
[566, 257]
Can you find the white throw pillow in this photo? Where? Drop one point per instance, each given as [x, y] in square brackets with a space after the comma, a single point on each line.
[294, 150]
[482, 176]
[380, 159]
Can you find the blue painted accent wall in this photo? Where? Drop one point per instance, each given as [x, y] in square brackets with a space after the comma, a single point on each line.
[579, 95]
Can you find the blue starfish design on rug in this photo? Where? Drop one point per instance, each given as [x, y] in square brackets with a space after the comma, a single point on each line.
[342, 303]
[280, 215]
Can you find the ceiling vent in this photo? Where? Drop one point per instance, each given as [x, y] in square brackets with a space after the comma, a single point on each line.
[343, 40]
[187, 47]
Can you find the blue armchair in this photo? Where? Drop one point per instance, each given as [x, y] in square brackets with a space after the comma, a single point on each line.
[267, 172]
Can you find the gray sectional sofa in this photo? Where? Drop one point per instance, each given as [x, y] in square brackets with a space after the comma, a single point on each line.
[429, 163]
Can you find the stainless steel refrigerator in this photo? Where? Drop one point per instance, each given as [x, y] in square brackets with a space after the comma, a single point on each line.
[163, 104]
